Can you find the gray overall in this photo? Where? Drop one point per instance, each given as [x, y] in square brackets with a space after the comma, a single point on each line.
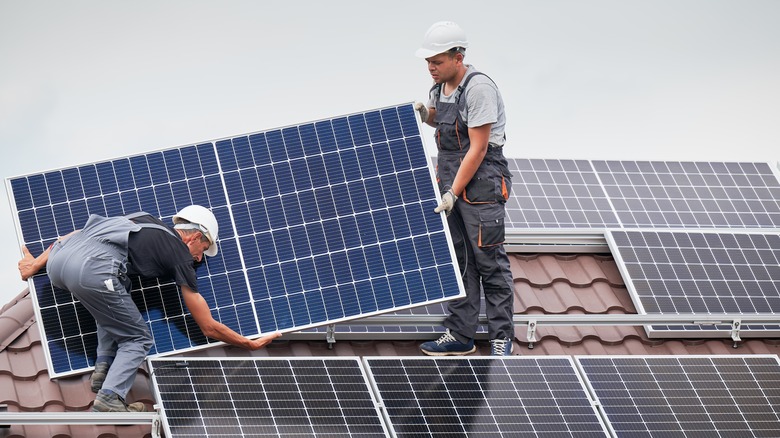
[476, 226]
[92, 265]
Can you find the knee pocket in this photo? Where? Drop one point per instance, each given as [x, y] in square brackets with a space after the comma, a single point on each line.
[492, 231]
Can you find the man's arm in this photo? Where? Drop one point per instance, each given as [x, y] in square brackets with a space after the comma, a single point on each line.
[214, 329]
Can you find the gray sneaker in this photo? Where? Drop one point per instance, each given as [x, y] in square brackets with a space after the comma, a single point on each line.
[98, 376]
[501, 347]
[114, 403]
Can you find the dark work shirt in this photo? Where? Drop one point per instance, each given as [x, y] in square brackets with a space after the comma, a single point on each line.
[154, 253]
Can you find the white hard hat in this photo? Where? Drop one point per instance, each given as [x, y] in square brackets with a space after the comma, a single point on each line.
[207, 224]
[440, 37]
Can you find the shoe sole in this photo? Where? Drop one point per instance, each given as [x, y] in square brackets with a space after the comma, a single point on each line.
[449, 353]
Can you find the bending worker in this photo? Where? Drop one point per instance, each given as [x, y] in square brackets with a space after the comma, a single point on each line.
[94, 263]
[467, 111]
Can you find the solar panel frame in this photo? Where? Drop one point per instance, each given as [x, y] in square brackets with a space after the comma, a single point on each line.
[690, 395]
[366, 211]
[445, 396]
[265, 396]
[708, 272]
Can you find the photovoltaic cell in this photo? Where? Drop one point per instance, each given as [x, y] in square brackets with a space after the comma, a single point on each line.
[484, 397]
[265, 397]
[725, 396]
[319, 223]
[700, 272]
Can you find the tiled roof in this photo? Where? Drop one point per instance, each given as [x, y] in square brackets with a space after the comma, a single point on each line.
[545, 284]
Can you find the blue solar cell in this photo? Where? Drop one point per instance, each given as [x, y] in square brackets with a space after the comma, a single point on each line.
[227, 155]
[309, 141]
[22, 196]
[40, 195]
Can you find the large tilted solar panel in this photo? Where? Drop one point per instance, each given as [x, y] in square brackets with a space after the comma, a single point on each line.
[311, 397]
[484, 397]
[319, 223]
[687, 396]
[658, 194]
[728, 273]
[556, 194]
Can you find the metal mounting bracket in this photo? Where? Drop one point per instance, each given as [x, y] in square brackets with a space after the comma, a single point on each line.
[735, 327]
[531, 335]
[330, 335]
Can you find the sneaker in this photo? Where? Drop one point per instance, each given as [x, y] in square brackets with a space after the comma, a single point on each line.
[447, 345]
[111, 402]
[501, 347]
[98, 376]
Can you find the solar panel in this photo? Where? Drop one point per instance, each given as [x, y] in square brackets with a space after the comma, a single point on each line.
[513, 396]
[557, 194]
[550, 194]
[701, 272]
[310, 397]
[319, 223]
[669, 194]
[687, 396]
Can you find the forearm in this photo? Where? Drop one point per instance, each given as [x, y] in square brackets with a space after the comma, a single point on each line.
[220, 332]
[214, 329]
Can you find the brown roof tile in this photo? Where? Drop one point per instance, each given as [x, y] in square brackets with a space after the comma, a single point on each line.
[545, 283]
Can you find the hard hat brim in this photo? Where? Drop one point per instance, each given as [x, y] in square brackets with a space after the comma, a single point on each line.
[212, 250]
[427, 53]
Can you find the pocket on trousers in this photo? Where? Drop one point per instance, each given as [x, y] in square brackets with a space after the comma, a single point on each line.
[100, 274]
[491, 228]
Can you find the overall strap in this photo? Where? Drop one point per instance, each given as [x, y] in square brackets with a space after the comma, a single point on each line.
[132, 216]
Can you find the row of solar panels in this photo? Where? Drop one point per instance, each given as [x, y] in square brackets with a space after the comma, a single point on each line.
[589, 396]
[330, 221]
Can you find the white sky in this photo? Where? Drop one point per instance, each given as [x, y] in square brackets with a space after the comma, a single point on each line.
[84, 81]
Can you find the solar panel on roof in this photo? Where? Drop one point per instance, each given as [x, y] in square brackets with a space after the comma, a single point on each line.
[265, 397]
[557, 194]
[704, 272]
[551, 194]
[724, 396]
[484, 397]
[669, 194]
[319, 223]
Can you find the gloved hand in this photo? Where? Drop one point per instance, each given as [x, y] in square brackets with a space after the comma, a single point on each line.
[422, 109]
[447, 202]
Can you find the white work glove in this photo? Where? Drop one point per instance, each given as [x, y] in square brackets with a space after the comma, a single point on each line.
[423, 110]
[447, 202]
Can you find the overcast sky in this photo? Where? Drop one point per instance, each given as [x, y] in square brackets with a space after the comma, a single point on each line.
[85, 81]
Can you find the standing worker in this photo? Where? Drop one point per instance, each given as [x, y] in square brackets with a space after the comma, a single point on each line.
[467, 111]
[93, 264]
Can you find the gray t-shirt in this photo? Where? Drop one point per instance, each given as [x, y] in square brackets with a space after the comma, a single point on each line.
[483, 105]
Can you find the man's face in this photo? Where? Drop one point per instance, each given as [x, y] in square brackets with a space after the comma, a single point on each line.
[197, 246]
[443, 67]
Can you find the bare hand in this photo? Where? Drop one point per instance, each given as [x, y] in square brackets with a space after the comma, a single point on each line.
[263, 341]
[27, 265]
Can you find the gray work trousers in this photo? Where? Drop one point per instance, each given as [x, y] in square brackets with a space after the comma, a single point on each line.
[477, 232]
[92, 270]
